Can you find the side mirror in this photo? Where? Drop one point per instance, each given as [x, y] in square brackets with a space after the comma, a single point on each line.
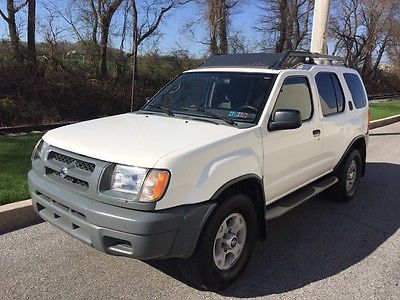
[285, 119]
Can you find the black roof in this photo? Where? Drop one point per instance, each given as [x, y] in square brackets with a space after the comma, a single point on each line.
[267, 60]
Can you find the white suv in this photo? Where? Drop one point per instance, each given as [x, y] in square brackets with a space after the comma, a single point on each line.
[219, 150]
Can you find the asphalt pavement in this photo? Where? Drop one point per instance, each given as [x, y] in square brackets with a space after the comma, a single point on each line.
[321, 250]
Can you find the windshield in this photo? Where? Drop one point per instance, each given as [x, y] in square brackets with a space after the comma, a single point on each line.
[229, 96]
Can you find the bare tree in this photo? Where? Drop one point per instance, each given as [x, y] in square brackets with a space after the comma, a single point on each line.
[153, 12]
[217, 14]
[105, 15]
[32, 34]
[12, 9]
[95, 16]
[50, 29]
[123, 32]
[83, 22]
[285, 24]
[362, 29]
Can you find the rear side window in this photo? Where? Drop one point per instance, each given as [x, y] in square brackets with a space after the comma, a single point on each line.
[295, 94]
[356, 89]
[330, 93]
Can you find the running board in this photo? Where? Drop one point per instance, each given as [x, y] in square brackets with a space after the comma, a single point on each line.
[289, 202]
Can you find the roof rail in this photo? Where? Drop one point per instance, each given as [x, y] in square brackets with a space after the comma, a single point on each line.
[294, 58]
[284, 60]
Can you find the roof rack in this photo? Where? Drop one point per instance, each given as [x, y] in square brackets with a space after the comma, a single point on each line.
[285, 60]
[294, 58]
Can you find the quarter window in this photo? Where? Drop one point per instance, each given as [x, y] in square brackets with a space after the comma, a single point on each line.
[295, 94]
[356, 89]
[330, 93]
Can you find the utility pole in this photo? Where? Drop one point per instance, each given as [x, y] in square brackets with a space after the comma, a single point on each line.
[134, 57]
[320, 26]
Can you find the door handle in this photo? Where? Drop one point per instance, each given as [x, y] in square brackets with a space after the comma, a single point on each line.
[316, 132]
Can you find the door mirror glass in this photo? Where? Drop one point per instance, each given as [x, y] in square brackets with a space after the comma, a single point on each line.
[285, 119]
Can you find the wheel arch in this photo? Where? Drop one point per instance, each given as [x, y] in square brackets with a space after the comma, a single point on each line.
[252, 186]
[360, 144]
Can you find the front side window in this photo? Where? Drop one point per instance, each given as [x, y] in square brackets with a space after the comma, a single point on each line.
[239, 97]
[295, 94]
[330, 93]
[356, 89]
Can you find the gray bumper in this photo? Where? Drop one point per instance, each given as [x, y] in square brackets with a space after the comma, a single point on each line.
[120, 231]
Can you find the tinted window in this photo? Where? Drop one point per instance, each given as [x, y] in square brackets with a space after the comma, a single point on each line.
[327, 94]
[356, 89]
[233, 95]
[338, 92]
[295, 94]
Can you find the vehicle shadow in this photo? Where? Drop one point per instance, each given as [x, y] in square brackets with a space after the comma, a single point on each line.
[319, 238]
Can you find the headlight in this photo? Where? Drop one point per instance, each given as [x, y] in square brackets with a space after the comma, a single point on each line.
[39, 150]
[132, 183]
[127, 179]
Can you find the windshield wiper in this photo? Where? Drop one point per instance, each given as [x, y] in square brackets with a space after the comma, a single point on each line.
[206, 112]
[167, 110]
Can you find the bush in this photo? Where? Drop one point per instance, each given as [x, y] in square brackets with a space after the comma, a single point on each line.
[69, 89]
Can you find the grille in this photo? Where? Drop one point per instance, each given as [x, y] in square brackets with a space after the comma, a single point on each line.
[80, 164]
[71, 179]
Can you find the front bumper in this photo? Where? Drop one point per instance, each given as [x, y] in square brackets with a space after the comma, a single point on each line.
[119, 231]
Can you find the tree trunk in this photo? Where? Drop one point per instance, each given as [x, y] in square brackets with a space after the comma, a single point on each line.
[379, 57]
[135, 44]
[283, 8]
[122, 60]
[12, 28]
[105, 27]
[212, 23]
[223, 24]
[31, 34]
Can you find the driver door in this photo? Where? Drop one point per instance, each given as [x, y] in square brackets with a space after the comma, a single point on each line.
[291, 157]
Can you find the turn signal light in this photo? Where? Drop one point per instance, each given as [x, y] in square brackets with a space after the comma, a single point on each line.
[155, 185]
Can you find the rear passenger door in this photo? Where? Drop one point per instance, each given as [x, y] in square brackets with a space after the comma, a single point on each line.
[333, 120]
[291, 157]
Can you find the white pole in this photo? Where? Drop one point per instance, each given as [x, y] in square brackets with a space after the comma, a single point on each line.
[320, 26]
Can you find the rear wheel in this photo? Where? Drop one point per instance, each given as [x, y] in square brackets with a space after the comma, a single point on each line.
[349, 175]
[225, 244]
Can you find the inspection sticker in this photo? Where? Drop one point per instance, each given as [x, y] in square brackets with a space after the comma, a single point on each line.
[238, 114]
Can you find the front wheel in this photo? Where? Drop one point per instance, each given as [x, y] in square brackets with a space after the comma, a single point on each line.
[349, 175]
[225, 244]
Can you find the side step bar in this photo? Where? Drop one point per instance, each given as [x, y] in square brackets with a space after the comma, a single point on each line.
[289, 202]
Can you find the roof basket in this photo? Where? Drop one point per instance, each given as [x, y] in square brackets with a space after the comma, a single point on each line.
[285, 60]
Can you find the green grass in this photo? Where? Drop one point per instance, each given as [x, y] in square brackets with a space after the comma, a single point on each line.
[15, 162]
[380, 110]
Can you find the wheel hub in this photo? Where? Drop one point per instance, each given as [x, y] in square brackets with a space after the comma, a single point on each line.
[351, 176]
[229, 241]
[233, 242]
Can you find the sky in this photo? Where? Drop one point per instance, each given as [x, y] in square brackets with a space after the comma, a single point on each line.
[173, 33]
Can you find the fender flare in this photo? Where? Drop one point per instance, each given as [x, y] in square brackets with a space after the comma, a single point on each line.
[258, 198]
[357, 138]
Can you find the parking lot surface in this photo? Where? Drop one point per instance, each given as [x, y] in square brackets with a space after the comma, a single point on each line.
[319, 250]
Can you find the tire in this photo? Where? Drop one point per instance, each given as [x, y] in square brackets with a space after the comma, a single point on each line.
[349, 175]
[213, 246]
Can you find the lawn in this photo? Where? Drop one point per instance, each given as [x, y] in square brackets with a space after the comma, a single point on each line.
[15, 161]
[384, 109]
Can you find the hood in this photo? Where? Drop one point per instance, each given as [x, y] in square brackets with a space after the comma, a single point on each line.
[133, 139]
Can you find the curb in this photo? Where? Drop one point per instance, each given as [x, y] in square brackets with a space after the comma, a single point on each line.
[17, 215]
[385, 121]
